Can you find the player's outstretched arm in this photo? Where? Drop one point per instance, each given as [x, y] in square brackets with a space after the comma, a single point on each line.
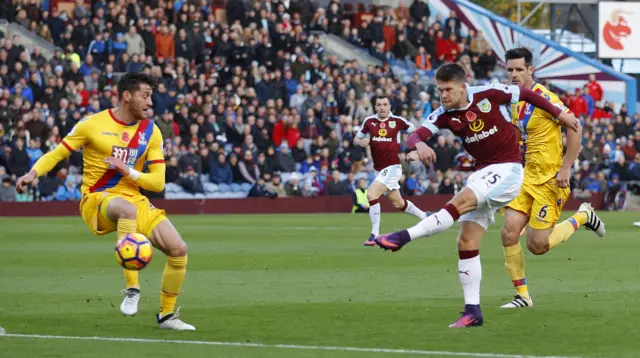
[361, 141]
[73, 141]
[423, 151]
[566, 119]
[43, 166]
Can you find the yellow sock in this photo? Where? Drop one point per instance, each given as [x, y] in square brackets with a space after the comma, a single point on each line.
[132, 279]
[563, 231]
[514, 261]
[128, 226]
[174, 272]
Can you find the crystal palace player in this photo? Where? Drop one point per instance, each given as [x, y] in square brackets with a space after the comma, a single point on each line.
[384, 130]
[480, 116]
[117, 144]
[546, 181]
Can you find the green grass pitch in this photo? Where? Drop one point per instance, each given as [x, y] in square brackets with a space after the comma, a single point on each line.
[306, 280]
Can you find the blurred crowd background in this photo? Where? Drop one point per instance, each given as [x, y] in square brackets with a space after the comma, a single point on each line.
[252, 105]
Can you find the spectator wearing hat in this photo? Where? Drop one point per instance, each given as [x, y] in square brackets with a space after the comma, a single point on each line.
[191, 181]
[277, 187]
[7, 190]
[69, 191]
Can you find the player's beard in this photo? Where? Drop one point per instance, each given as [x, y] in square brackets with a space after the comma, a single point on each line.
[139, 112]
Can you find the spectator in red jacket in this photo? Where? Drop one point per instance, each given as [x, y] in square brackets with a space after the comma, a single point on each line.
[286, 129]
[578, 104]
[594, 88]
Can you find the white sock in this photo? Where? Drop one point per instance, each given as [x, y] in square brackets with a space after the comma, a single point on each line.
[470, 272]
[413, 210]
[431, 225]
[374, 215]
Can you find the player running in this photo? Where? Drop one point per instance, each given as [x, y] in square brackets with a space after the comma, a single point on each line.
[546, 181]
[117, 144]
[384, 130]
[480, 116]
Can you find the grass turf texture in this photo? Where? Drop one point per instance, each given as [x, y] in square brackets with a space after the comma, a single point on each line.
[307, 280]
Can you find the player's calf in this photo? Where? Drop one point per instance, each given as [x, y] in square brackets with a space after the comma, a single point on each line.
[538, 247]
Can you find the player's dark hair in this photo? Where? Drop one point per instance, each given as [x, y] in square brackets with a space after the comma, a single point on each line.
[380, 96]
[130, 82]
[520, 52]
[451, 72]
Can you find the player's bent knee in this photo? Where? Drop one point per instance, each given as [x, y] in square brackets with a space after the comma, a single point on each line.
[398, 204]
[178, 251]
[537, 247]
[510, 237]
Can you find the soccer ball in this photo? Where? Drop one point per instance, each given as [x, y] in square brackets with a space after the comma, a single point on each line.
[134, 252]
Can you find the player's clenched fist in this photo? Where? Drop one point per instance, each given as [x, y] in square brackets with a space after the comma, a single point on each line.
[26, 180]
[118, 165]
[364, 142]
[425, 153]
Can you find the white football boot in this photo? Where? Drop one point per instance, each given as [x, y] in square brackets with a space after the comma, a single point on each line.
[172, 322]
[594, 223]
[519, 302]
[636, 224]
[129, 306]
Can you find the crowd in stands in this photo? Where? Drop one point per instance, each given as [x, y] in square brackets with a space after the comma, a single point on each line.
[253, 105]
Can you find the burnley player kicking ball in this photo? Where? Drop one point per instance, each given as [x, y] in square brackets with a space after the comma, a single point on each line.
[480, 116]
[384, 130]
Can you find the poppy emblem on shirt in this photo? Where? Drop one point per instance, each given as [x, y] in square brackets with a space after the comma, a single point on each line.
[383, 125]
[125, 137]
[471, 116]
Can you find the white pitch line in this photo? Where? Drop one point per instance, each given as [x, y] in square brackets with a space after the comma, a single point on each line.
[280, 346]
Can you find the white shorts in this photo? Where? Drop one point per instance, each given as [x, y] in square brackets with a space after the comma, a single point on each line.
[495, 186]
[390, 176]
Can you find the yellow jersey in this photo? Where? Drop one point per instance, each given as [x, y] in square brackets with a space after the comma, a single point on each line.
[541, 137]
[102, 135]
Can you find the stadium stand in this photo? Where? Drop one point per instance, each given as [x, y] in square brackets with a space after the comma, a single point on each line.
[261, 98]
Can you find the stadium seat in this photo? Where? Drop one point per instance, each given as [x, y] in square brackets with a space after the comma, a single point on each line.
[172, 188]
[210, 187]
[235, 187]
[223, 188]
[205, 178]
[199, 196]
[285, 177]
[246, 187]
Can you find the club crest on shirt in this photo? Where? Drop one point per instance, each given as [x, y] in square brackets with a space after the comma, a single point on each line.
[484, 106]
[125, 137]
[142, 140]
[471, 116]
[392, 124]
[528, 109]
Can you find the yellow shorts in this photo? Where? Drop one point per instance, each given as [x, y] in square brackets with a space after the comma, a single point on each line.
[543, 203]
[93, 209]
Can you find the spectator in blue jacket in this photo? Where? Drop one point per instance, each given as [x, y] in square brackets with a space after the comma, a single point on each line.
[34, 152]
[220, 170]
[69, 191]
